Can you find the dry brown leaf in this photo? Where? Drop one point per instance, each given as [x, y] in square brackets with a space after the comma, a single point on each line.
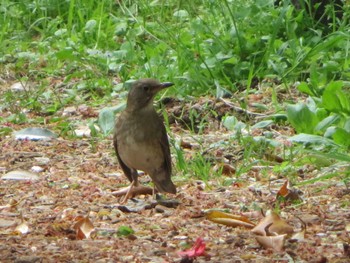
[284, 189]
[185, 145]
[228, 170]
[299, 236]
[288, 192]
[274, 242]
[277, 225]
[83, 228]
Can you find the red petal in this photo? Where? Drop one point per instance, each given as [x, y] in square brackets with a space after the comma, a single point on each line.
[197, 250]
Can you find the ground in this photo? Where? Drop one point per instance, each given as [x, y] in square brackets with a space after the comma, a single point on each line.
[80, 175]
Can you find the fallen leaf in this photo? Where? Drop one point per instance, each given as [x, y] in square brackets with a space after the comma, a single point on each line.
[83, 228]
[289, 193]
[228, 170]
[277, 225]
[197, 250]
[125, 231]
[228, 219]
[274, 242]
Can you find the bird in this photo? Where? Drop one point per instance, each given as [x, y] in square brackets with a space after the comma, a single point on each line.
[140, 139]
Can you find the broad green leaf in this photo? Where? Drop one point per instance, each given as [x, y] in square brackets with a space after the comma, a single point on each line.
[90, 25]
[65, 54]
[302, 118]
[181, 13]
[342, 137]
[312, 139]
[61, 32]
[333, 155]
[220, 91]
[334, 98]
[327, 122]
[304, 87]
[347, 125]
[233, 60]
[321, 178]
[279, 117]
[231, 123]
[262, 124]
[106, 118]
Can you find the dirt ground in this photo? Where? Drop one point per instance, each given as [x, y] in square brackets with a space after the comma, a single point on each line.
[79, 176]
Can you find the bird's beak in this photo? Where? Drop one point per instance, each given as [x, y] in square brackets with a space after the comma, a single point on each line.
[161, 86]
[166, 85]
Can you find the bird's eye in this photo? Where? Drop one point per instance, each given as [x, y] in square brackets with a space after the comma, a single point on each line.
[146, 88]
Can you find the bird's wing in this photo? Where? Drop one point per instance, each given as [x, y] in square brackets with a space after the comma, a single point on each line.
[164, 142]
[127, 171]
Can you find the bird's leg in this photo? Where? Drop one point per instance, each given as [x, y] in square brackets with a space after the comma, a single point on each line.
[135, 182]
[134, 189]
[154, 192]
[128, 193]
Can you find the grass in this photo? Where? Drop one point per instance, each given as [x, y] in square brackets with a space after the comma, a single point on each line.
[79, 52]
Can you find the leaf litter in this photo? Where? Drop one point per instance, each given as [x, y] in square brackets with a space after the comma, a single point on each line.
[69, 214]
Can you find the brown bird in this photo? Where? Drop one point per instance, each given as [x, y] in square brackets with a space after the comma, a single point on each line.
[140, 138]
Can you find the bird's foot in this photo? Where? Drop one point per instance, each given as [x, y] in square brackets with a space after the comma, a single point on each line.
[132, 191]
[171, 203]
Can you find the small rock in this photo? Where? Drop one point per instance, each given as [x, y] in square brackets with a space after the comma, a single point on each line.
[116, 174]
[83, 131]
[69, 111]
[19, 175]
[37, 169]
[18, 86]
[34, 134]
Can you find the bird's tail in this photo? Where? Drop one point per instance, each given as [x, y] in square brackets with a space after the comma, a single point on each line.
[166, 186]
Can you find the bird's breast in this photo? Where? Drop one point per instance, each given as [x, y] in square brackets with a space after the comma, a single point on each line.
[139, 142]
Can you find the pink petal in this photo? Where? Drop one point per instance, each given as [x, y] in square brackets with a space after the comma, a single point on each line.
[198, 249]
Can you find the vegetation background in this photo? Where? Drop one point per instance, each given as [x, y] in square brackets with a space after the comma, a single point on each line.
[277, 66]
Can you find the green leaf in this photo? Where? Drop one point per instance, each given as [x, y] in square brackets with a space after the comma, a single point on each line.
[321, 178]
[106, 118]
[231, 123]
[125, 231]
[304, 87]
[333, 155]
[327, 122]
[220, 91]
[65, 54]
[90, 25]
[342, 137]
[302, 118]
[262, 124]
[309, 138]
[61, 32]
[233, 60]
[181, 14]
[279, 117]
[334, 98]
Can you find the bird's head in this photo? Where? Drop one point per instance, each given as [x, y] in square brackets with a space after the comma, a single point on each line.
[142, 93]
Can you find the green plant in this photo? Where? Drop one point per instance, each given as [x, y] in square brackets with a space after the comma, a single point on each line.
[328, 115]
